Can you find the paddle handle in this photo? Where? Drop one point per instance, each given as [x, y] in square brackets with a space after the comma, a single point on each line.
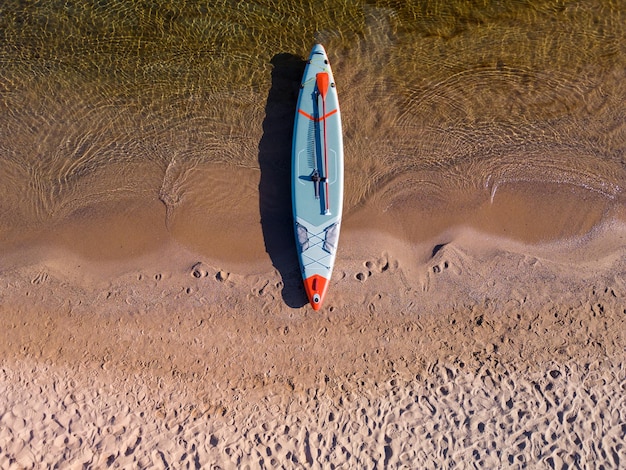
[322, 81]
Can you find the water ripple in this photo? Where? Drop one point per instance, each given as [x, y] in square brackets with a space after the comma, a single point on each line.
[105, 101]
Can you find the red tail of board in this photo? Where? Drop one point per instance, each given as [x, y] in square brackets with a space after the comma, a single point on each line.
[316, 287]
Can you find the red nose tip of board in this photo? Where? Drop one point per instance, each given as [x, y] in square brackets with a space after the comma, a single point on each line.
[322, 82]
[315, 287]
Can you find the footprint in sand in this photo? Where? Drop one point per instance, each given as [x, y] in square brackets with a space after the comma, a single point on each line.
[222, 276]
[40, 278]
[383, 264]
[442, 256]
[444, 264]
[440, 267]
[199, 270]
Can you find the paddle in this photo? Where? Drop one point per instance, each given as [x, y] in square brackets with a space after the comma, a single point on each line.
[322, 81]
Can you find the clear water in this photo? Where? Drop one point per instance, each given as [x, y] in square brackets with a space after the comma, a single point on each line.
[103, 102]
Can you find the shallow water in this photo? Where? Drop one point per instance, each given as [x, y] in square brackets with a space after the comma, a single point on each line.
[445, 105]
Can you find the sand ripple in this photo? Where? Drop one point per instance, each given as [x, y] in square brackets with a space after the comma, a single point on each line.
[564, 415]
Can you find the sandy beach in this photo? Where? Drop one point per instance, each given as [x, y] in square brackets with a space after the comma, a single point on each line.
[152, 312]
[473, 352]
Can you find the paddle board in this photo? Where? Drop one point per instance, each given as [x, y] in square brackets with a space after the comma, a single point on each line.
[317, 175]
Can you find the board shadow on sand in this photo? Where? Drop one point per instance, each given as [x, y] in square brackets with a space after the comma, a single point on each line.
[275, 182]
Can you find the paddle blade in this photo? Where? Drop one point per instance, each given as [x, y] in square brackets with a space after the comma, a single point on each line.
[322, 80]
[316, 287]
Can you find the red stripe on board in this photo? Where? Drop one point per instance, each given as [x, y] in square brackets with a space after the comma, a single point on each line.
[319, 119]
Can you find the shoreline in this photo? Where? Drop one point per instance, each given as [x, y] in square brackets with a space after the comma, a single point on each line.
[467, 269]
[247, 228]
[427, 348]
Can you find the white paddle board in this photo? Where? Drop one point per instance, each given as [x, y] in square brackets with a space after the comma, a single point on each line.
[317, 175]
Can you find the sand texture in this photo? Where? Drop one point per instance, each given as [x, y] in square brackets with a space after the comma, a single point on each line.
[152, 313]
[471, 359]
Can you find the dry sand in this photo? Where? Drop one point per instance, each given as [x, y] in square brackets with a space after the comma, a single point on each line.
[458, 348]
